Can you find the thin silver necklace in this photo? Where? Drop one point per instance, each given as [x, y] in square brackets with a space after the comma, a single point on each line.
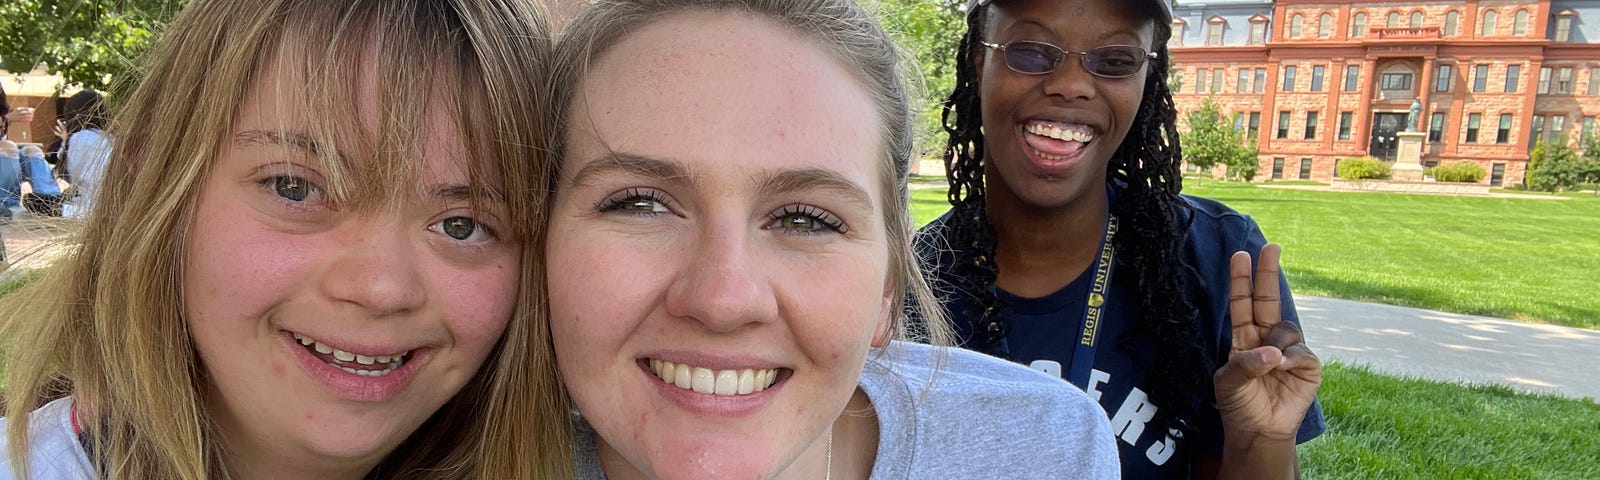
[829, 475]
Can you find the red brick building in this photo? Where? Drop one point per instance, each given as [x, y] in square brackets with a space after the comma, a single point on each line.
[1315, 81]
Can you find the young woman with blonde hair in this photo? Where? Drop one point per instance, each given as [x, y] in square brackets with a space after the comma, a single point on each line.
[730, 262]
[315, 228]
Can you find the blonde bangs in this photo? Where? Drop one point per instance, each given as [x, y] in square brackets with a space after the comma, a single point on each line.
[418, 62]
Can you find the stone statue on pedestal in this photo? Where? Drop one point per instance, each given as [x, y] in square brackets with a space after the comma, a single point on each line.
[1414, 115]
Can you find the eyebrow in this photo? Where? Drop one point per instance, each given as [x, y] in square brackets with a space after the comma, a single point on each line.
[1103, 37]
[632, 164]
[295, 140]
[804, 179]
[775, 182]
[454, 193]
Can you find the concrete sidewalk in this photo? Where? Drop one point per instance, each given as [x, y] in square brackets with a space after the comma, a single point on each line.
[1454, 347]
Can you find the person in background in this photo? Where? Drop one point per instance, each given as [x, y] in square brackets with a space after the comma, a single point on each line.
[85, 152]
[1068, 246]
[44, 197]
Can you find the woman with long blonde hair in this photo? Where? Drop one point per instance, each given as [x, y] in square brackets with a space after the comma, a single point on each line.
[314, 255]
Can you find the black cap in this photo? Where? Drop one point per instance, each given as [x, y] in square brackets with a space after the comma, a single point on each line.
[1166, 5]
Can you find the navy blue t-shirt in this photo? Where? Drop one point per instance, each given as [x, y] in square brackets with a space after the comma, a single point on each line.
[1044, 330]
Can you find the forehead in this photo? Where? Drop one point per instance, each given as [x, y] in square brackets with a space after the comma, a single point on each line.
[729, 87]
[1087, 20]
[363, 129]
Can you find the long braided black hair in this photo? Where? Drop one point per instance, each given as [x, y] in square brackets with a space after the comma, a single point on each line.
[1145, 177]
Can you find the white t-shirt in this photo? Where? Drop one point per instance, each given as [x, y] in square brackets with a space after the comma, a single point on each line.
[88, 152]
[54, 452]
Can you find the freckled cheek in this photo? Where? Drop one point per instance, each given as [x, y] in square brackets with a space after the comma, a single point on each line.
[479, 304]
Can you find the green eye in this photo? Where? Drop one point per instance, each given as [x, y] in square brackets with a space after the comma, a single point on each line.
[294, 189]
[459, 228]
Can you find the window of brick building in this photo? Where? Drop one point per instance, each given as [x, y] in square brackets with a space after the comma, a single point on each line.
[1216, 80]
[1201, 76]
[1563, 31]
[1305, 169]
[1277, 168]
[1254, 128]
[1544, 80]
[1243, 85]
[1238, 121]
[1416, 20]
[1588, 130]
[1594, 80]
[1393, 21]
[1177, 81]
[1442, 77]
[1497, 175]
[1489, 19]
[1261, 81]
[1214, 29]
[1325, 25]
[1513, 77]
[1536, 132]
[1258, 33]
[1316, 77]
[1283, 125]
[1452, 21]
[1344, 125]
[1296, 23]
[1177, 33]
[1480, 78]
[1358, 25]
[1503, 135]
[1311, 125]
[1473, 122]
[1558, 128]
[1288, 78]
[1519, 24]
[1395, 81]
[1352, 77]
[1436, 128]
[1563, 85]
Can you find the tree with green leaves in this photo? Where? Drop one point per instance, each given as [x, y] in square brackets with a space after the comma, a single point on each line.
[1591, 159]
[90, 43]
[1210, 140]
[930, 31]
[1556, 166]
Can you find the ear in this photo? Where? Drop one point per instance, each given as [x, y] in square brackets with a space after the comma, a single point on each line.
[887, 314]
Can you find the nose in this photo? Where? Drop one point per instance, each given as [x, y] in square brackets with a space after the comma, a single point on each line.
[1071, 79]
[723, 286]
[376, 269]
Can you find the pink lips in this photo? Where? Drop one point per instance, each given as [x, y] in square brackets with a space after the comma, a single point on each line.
[356, 387]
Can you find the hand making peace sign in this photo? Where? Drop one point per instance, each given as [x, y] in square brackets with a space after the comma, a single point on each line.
[1271, 376]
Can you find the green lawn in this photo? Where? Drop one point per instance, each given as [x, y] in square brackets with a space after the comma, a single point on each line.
[1536, 260]
[1393, 428]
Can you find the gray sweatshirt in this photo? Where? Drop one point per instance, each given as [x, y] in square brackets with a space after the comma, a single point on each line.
[957, 414]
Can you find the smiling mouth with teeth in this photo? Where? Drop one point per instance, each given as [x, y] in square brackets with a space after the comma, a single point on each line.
[714, 382]
[1061, 140]
[356, 364]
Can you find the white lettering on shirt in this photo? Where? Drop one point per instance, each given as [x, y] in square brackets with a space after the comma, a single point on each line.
[1131, 417]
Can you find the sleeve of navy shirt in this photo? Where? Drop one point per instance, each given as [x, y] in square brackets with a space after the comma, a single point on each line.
[1216, 233]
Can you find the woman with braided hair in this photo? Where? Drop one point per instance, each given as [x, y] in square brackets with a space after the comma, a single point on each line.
[1069, 248]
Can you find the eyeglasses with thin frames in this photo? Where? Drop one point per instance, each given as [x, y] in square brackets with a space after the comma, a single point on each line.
[1039, 58]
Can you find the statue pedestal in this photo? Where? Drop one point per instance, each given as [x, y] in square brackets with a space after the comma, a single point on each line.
[1408, 157]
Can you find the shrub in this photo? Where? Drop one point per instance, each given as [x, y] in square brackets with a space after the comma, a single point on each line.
[1362, 168]
[1464, 172]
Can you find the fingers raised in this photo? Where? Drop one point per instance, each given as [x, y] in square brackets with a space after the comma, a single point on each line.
[1240, 297]
[1268, 307]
